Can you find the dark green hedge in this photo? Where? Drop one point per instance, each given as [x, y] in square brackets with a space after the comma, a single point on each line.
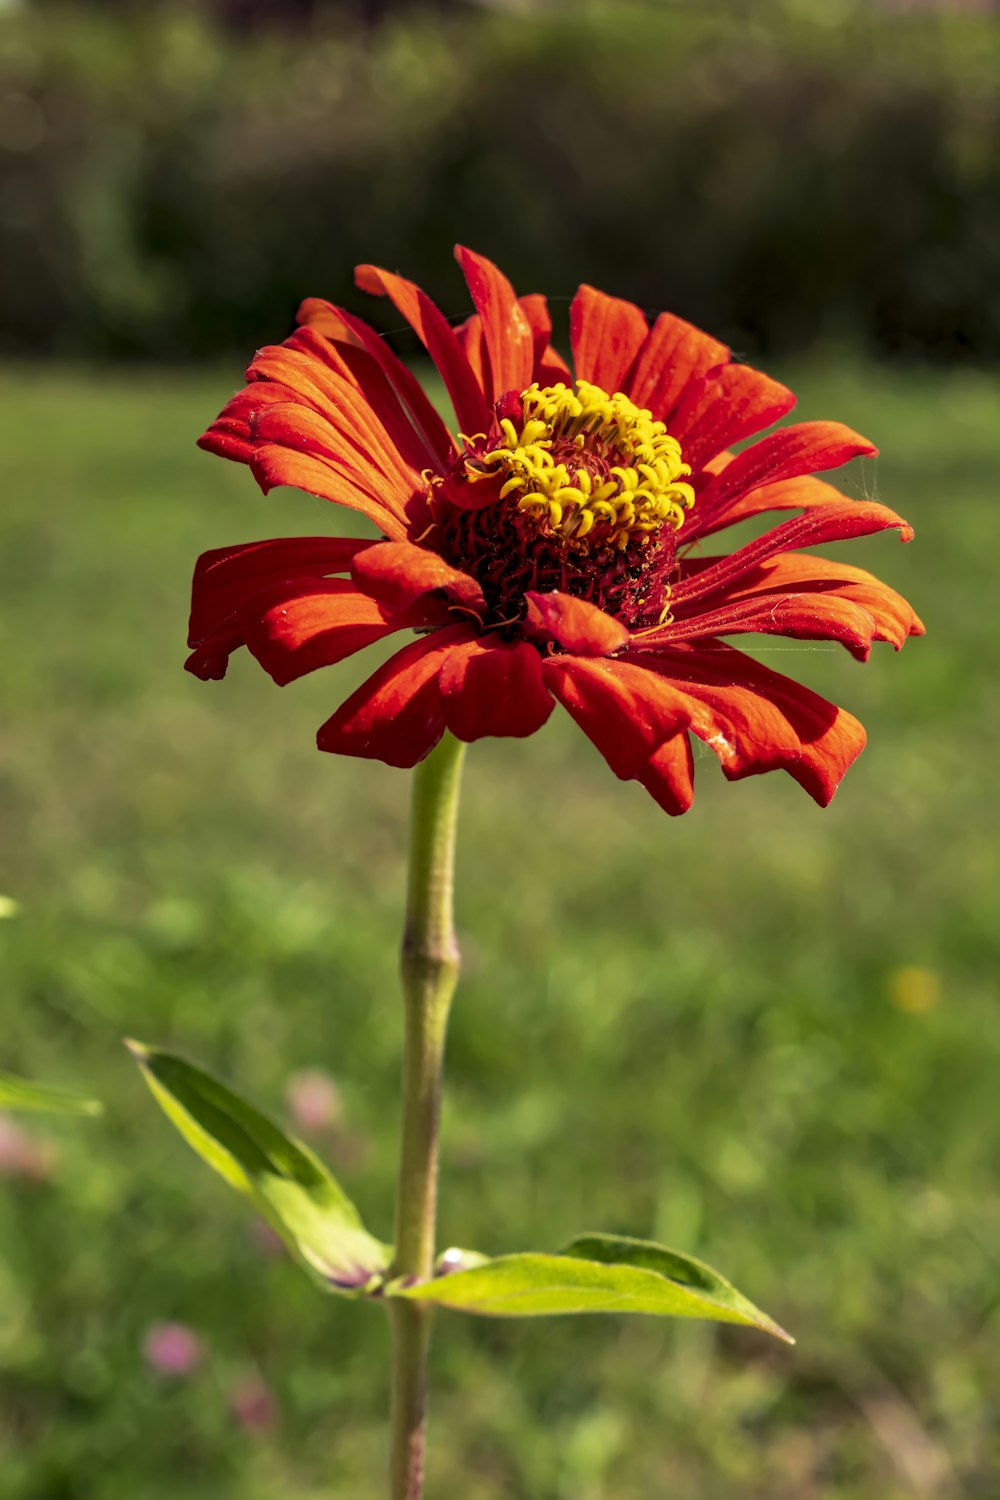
[168, 191]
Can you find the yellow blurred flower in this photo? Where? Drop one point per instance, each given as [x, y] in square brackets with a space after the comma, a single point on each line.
[914, 989]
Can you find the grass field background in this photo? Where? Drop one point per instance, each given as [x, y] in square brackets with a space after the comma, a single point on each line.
[706, 1030]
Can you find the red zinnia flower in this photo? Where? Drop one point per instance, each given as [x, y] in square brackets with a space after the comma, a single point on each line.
[551, 551]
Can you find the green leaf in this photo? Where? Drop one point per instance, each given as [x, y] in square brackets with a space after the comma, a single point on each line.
[19, 1093]
[597, 1273]
[287, 1183]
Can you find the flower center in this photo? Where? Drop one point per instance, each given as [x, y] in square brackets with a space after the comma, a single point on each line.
[591, 469]
[572, 489]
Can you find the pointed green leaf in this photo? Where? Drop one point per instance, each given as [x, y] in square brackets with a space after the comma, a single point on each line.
[597, 1273]
[288, 1184]
[19, 1093]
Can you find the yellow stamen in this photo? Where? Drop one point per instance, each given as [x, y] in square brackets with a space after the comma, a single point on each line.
[636, 487]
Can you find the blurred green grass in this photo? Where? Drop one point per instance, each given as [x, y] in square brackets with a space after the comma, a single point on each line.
[675, 1028]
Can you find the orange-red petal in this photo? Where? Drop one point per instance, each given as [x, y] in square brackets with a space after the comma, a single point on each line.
[674, 355]
[549, 367]
[712, 577]
[506, 332]
[607, 334]
[347, 331]
[439, 339]
[805, 492]
[727, 404]
[805, 448]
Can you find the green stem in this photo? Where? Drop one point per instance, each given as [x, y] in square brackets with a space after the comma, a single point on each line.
[430, 962]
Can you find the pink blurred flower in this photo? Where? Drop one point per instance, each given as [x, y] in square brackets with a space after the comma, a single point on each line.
[314, 1100]
[24, 1156]
[172, 1349]
[252, 1403]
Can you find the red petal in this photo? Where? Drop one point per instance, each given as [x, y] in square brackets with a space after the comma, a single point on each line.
[345, 328]
[803, 493]
[397, 715]
[291, 452]
[757, 720]
[806, 448]
[470, 336]
[439, 338]
[669, 777]
[227, 577]
[606, 334]
[814, 581]
[343, 364]
[305, 626]
[674, 356]
[580, 628]
[400, 573]
[626, 711]
[548, 366]
[346, 422]
[493, 687]
[803, 617]
[506, 331]
[724, 406]
[828, 523]
[229, 435]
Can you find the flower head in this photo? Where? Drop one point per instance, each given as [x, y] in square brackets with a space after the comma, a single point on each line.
[551, 548]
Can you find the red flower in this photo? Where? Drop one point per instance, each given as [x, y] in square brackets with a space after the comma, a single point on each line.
[552, 551]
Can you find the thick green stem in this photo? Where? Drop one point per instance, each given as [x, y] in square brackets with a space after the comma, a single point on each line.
[430, 972]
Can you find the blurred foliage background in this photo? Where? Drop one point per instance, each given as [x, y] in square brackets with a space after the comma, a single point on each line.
[763, 1033]
[173, 176]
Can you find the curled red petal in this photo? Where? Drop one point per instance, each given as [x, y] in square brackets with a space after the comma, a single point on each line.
[805, 492]
[229, 435]
[805, 448]
[438, 337]
[506, 332]
[580, 628]
[348, 386]
[607, 334]
[800, 616]
[669, 776]
[396, 715]
[399, 573]
[347, 330]
[811, 579]
[828, 523]
[276, 463]
[493, 687]
[625, 710]
[327, 416]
